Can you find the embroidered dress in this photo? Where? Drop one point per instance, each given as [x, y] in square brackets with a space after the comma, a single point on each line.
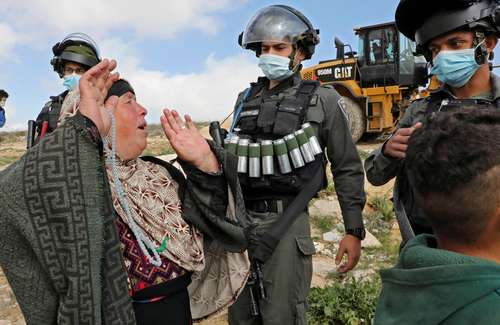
[141, 273]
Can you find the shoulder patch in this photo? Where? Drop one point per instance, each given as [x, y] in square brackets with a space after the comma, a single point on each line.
[343, 107]
[314, 100]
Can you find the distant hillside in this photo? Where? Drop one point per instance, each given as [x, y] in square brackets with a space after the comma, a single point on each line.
[13, 144]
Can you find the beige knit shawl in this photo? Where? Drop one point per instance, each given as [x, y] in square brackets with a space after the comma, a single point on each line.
[152, 196]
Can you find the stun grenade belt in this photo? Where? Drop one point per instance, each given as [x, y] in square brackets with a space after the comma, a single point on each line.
[292, 152]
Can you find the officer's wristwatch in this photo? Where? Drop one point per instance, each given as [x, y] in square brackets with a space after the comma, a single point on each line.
[359, 233]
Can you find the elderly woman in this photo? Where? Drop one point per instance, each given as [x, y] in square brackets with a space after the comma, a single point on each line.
[92, 234]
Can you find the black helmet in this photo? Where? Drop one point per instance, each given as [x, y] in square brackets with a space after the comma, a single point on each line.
[280, 23]
[423, 20]
[75, 47]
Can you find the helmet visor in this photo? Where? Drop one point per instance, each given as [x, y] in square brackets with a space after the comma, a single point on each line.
[273, 24]
[82, 38]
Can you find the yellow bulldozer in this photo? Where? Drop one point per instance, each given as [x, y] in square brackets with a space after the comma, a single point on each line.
[379, 81]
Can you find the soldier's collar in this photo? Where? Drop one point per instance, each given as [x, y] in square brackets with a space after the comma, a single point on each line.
[494, 91]
[283, 85]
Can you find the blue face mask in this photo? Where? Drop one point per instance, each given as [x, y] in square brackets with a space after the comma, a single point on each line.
[275, 67]
[71, 81]
[455, 68]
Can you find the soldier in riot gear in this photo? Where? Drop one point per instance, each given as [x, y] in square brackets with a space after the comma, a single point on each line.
[74, 55]
[457, 38]
[288, 122]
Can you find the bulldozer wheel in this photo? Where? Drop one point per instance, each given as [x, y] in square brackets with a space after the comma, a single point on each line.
[357, 120]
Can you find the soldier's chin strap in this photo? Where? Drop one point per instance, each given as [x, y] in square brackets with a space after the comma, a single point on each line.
[292, 66]
[270, 240]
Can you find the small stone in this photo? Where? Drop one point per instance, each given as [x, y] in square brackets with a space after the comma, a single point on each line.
[340, 227]
[319, 247]
[370, 241]
[362, 274]
[323, 267]
[325, 207]
[332, 236]
[330, 252]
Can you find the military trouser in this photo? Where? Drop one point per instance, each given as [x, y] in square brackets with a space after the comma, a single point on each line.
[287, 278]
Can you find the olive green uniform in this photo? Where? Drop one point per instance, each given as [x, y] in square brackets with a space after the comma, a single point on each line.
[288, 272]
[381, 168]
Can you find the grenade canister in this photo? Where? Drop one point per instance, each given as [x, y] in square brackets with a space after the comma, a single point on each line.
[254, 160]
[243, 156]
[233, 144]
[304, 146]
[294, 151]
[267, 153]
[282, 155]
[313, 140]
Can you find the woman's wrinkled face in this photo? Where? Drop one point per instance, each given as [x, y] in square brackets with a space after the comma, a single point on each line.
[131, 134]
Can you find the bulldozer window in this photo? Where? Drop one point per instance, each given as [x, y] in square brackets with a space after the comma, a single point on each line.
[381, 46]
[406, 58]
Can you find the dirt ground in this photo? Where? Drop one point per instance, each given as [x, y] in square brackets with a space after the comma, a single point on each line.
[12, 146]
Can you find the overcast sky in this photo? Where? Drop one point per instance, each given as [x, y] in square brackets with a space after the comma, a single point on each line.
[179, 54]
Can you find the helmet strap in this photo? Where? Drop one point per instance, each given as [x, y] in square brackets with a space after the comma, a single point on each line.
[291, 65]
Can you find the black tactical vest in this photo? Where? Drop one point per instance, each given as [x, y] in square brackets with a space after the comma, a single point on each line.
[270, 118]
[50, 113]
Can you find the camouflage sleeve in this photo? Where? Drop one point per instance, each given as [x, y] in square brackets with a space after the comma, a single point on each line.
[381, 168]
[346, 166]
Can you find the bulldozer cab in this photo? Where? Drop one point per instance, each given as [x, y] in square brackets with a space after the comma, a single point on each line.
[385, 58]
[378, 81]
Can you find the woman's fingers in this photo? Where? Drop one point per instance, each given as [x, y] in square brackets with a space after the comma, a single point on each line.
[167, 128]
[89, 78]
[172, 121]
[101, 68]
[109, 82]
[103, 77]
[178, 119]
[189, 122]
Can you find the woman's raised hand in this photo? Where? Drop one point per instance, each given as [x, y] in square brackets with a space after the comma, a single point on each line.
[187, 142]
[94, 86]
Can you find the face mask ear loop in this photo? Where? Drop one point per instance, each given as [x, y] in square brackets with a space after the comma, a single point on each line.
[483, 57]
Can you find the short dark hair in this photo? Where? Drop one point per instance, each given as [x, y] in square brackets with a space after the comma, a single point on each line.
[3, 94]
[453, 162]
